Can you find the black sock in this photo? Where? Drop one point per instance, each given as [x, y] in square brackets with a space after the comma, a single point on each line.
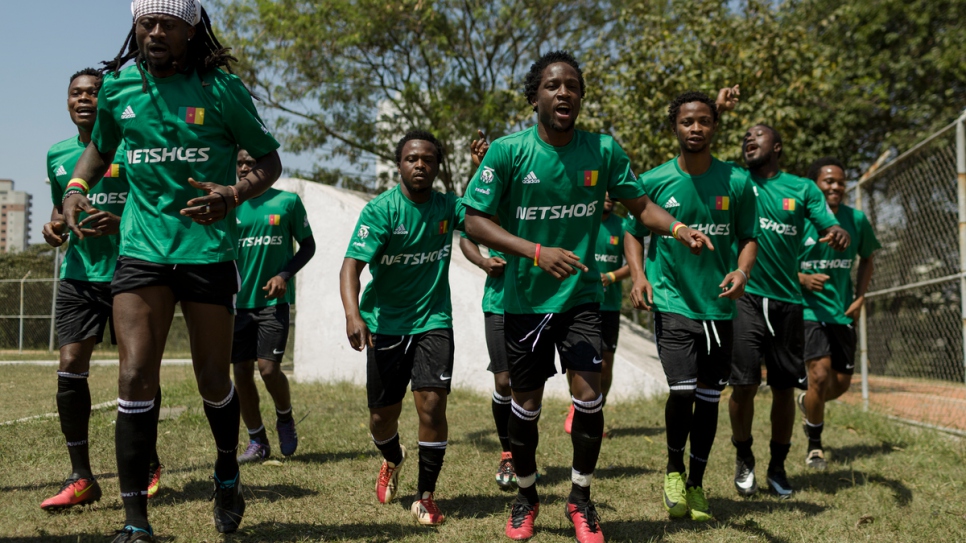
[585, 434]
[814, 432]
[524, 437]
[678, 414]
[258, 435]
[430, 463]
[284, 417]
[135, 434]
[74, 407]
[156, 413]
[501, 416]
[704, 425]
[223, 418]
[390, 449]
[743, 448]
[778, 453]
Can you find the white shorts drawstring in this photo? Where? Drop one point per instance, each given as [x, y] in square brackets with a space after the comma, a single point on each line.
[707, 335]
[538, 330]
[764, 309]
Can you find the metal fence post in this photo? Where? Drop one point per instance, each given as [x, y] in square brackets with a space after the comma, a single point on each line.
[863, 330]
[53, 298]
[961, 196]
[20, 342]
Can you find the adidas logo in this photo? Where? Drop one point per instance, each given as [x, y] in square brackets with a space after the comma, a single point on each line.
[400, 230]
[61, 171]
[128, 113]
[237, 220]
[671, 203]
[810, 241]
[530, 179]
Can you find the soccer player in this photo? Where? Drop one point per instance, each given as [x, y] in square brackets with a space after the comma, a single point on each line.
[831, 305]
[548, 183]
[84, 295]
[267, 226]
[181, 118]
[769, 323]
[609, 255]
[694, 298]
[405, 318]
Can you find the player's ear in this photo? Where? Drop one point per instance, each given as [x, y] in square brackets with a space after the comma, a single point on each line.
[778, 147]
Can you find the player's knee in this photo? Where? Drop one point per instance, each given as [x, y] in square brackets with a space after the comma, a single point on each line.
[744, 393]
[213, 385]
[818, 376]
[380, 421]
[501, 383]
[73, 362]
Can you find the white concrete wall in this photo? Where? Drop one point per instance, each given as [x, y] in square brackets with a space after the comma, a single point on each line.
[322, 352]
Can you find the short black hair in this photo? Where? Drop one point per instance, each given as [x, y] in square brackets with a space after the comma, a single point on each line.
[686, 98]
[92, 72]
[534, 76]
[816, 167]
[419, 135]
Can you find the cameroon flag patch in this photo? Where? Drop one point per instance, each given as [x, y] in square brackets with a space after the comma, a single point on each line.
[721, 203]
[590, 178]
[443, 227]
[788, 204]
[274, 220]
[114, 170]
[192, 115]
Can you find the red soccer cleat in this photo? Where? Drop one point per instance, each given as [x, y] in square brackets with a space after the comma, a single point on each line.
[155, 482]
[519, 526]
[586, 522]
[388, 480]
[426, 511]
[74, 492]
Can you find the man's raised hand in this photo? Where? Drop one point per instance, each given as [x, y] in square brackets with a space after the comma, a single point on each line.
[478, 149]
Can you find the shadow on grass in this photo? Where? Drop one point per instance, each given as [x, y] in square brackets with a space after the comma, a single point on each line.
[484, 440]
[634, 431]
[329, 457]
[202, 491]
[845, 455]
[284, 531]
[831, 482]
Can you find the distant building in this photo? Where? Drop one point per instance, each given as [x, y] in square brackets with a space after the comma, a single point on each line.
[14, 218]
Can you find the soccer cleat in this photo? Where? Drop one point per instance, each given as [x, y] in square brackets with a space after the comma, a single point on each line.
[255, 452]
[229, 504]
[519, 526]
[698, 504]
[130, 534]
[386, 484]
[586, 522]
[288, 438]
[675, 498]
[800, 402]
[504, 474]
[74, 491]
[154, 478]
[569, 421]
[778, 483]
[426, 511]
[745, 482]
[816, 460]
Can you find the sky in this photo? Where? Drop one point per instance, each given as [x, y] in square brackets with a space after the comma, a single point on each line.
[41, 47]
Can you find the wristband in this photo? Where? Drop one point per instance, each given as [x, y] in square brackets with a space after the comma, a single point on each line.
[743, 273]
[69, 192]
[675, 226]
[613, 278]
[79, 184]
[536, 256]
[234, 193]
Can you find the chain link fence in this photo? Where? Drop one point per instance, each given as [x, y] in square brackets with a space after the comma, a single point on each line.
[912, 327]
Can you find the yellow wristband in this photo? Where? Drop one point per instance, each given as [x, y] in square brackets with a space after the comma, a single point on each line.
[79, 183]
[676, 228]
[613, 278]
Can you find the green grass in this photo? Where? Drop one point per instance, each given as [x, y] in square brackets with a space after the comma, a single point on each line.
[909, 482]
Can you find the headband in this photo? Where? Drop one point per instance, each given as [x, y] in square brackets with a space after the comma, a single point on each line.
[188, 11]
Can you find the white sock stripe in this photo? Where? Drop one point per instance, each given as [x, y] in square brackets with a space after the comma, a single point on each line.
[683, 386]
[709, 392]
[286, 412]
[581, 479]
[502, 400]
[377, 442]
[528, 481]
[229, 451]
[223, 403]
[68, 375]
[709, 399]
[256, 430]
[592, 406]
[134, 407]
[819, 425]
[702, 460]
[433, 444]
[523, 413]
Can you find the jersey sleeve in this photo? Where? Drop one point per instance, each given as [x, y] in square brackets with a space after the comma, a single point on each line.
[243, 122]
[816, 210]
[107, 135]
[459, 215]
[746, 212]
[868, 243]
[300, 219]
[491, 179]
[56, 192]
[371, 234]
[623, 184]
[635, 228]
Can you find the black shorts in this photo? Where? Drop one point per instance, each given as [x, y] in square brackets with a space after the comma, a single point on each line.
[610, 330]
[495, 342]
[774, 331]
[693, 351]
[531, 340]
[214, 284]
[834, 340]
[83, 310]
[425, 359]
[260, 333]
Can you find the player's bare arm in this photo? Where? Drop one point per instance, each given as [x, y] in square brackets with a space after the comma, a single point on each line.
[558, 262]
[659, 221]
[493, 266]
[642, 294]
[349, 286]
[733, 285]
[619, 275]
[836, 237]
[863, 278]
[220, 199]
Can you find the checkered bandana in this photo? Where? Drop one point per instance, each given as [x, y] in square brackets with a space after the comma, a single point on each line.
[186, 10]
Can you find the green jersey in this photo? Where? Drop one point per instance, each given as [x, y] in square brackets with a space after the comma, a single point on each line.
[408, 248]
[609, 255]
[184, 126]
[830, 303]
[552, 196]
[719, 203]
[493, 287]
[267, 225]
[785, 202]
[92, 258]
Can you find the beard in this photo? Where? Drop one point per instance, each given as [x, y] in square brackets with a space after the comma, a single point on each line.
[756, 163]
[415, 190]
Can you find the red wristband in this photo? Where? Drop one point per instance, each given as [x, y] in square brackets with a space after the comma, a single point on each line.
[536, 256]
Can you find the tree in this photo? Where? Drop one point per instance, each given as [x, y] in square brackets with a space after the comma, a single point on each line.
[350, 76]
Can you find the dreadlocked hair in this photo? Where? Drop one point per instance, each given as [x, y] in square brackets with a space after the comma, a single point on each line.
[205, 52]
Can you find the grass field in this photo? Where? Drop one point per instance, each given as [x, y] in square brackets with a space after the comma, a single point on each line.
[885, 482]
